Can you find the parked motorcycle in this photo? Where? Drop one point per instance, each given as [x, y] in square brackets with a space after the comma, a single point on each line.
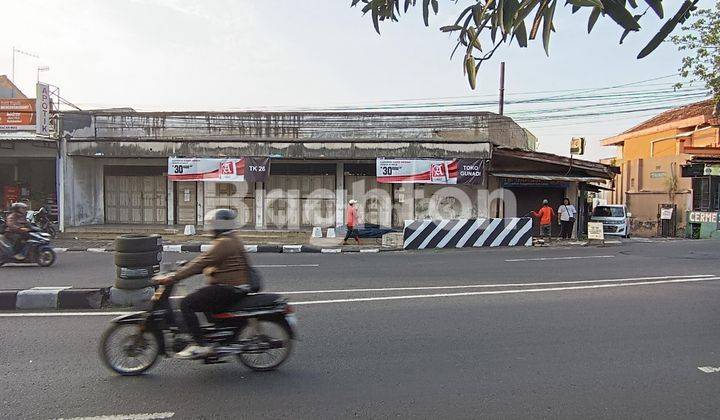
[39, 250]
[41, 218]
[259, 331]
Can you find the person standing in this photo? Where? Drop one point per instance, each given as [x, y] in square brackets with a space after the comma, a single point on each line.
[545, 214]
[351, 219]
[566, 216]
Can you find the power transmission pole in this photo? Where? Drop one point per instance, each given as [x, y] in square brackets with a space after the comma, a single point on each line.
[502, 88]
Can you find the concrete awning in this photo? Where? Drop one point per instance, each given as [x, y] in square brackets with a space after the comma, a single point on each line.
[548, 177]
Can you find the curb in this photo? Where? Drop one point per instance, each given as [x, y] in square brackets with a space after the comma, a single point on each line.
[54, 297]
[277, 249]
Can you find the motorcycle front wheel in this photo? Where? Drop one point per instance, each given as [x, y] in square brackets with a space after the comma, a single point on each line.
[269, 345]
[127, 350]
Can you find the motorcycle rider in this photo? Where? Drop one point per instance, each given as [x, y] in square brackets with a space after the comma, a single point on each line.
[17, 228]
[225, 266]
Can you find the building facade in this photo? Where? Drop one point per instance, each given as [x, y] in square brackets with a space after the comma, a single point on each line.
[116, 168]
[651, 156]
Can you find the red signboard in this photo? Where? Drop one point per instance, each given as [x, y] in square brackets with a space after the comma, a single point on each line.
[17, 114]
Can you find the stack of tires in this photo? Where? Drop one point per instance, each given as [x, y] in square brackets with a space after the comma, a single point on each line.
[137, 258]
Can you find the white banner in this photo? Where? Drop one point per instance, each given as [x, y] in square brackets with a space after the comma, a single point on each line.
[42, 109]
[223, 169]
[430, 171]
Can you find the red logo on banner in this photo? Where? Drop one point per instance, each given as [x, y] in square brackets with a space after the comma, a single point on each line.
[438, 172]
[227, 168]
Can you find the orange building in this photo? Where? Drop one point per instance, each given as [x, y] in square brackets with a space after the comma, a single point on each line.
[650, 156]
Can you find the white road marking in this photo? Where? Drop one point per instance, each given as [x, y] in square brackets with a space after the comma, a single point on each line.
[61, 314]
[560, 258]
[612, 283]
[501, 292]
[285, 265]
[709, 369]
[476, 286]
[144, 416]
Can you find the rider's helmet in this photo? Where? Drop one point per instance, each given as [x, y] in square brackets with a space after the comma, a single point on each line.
[18, 207]
[220, 221]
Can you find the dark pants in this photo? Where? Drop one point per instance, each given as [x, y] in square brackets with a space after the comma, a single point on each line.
[18, 240]
[566, 228]
[352, 232]
[213, 298]
[546, 231]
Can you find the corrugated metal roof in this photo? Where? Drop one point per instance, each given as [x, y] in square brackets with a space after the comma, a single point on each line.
[548, 177]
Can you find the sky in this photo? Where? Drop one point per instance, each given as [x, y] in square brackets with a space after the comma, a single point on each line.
[224, 55]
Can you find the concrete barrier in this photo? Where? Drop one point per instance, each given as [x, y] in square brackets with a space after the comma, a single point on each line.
[466, 233]
[7, 299]
[291, 249]
[269, 248]
[39, 297]
[120, 297]
[82, 298]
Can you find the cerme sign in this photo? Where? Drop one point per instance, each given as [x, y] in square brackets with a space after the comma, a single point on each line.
[702, 217]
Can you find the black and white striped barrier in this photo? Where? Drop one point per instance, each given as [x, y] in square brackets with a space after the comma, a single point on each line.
[53, 297]
[467, 233]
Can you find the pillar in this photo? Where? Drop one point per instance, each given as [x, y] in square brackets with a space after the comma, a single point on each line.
[259, 205]
[339, 194]
[170, 202]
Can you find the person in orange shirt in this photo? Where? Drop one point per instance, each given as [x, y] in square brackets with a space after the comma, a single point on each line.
[351, 221]
[545, 214]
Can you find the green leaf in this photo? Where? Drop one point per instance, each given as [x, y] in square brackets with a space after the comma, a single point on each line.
[376, 23]
[627, 31]
[426, 12]
[547, 26]
[474, 38]
[586, 3]
[594, 15]
[521, 35]
[450, 28]
[667, 28]
[510, 9]
[620, 15]
[471, 70]
[656, 5]
[538, 19]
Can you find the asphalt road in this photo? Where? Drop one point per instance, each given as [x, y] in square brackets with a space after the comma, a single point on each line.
[469, 334]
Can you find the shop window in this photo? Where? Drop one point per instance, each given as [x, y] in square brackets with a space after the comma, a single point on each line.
[706, 193]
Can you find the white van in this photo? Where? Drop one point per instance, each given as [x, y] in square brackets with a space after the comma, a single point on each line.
[615, 219]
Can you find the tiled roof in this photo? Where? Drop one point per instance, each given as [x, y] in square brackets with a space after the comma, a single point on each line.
[684, 112]
[8, 87]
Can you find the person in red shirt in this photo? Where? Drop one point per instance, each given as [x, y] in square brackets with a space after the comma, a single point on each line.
[351, 219]
[545, 214]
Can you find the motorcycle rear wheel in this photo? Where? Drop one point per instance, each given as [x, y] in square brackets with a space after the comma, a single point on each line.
[270, 359]
[46, 258]
[128, 351]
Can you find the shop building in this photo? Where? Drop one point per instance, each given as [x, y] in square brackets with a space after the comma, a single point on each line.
[27, 161]
[131, 168]
[651, 156]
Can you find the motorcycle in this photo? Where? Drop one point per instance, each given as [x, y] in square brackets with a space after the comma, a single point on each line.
[38, 249]
[259, 330]
[41, 218]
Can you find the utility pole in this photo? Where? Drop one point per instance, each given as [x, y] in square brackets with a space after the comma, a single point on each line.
[501, 105]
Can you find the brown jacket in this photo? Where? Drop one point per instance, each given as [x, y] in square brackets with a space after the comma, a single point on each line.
[225, 263]
[16, 222]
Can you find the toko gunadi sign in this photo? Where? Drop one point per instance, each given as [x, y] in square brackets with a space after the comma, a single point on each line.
[248, 169]
[430, 171]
